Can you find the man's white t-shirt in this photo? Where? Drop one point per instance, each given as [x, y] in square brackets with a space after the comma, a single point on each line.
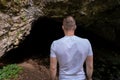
[71, 53]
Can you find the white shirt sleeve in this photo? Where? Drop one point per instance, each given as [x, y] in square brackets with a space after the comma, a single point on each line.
[90, 52]
[52, 50]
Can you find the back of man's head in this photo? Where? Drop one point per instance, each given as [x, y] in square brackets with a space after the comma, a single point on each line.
[69, 23]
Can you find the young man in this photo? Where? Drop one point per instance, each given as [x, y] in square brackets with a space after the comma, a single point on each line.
[71, 52]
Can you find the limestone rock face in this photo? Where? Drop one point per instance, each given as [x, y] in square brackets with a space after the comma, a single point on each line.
[15, 22]
[98, 16]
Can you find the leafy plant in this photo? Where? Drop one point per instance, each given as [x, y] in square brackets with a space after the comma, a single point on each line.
[10, 71]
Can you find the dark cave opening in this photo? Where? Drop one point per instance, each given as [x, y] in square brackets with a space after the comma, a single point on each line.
[37, 44]
[44, 31]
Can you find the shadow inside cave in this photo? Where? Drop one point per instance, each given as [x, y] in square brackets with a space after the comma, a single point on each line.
[37, 44]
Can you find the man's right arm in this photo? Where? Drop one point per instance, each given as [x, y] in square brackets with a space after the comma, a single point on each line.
[53, 68]
[89, 67]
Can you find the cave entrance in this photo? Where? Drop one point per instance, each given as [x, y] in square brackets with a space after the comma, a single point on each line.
[37, 44]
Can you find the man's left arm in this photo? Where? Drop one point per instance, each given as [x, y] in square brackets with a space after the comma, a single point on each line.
[53, 68]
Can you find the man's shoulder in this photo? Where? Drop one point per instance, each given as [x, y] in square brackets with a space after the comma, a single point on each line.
[83, 39]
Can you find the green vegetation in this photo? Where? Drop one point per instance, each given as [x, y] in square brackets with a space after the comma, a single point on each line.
[10, 72]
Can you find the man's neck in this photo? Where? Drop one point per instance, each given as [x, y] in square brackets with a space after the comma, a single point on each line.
[69, 33]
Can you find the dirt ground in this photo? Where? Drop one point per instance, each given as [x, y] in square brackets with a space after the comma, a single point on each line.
[34, 70]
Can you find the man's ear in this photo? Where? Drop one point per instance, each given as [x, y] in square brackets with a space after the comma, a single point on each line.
[75, 27]
[62, 27]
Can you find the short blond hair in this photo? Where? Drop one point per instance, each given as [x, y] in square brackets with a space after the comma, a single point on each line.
[69, 23]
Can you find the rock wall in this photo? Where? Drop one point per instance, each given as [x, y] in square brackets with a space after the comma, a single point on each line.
[98, 16]
[16, 17]
[15, 22]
